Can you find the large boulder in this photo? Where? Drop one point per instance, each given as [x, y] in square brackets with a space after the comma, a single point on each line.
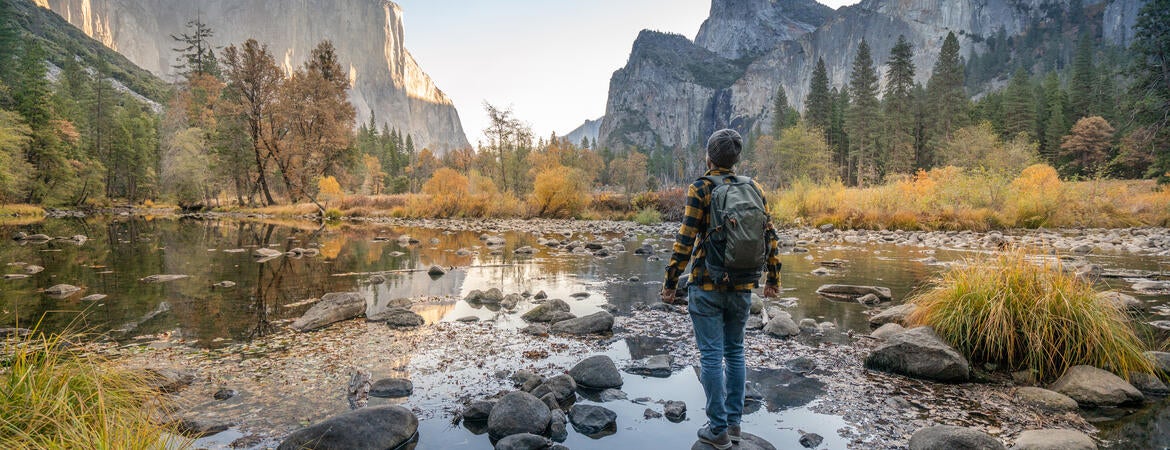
[781, 325]
[599, 322]
[850, 292]
[749, 442]
[391, 388]
[920, 353]
[1046, 400]
[377, 428]
[1124, 302]
[1161, 361]
[1091, 386]
[517, 412]
[592, 419]
[547, 311]
[333, 307]
[524, 441]
[940, 437]
[401, 318]
[62, 290]
[885, 331]
[596, 372]
[478, 411]
[1058, 439]
[562, 387]
[893, 314]
[654, 366]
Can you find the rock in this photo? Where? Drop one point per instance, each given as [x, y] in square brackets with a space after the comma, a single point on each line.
[518, 412]
[754, 323]
[493, 296]
[224, 394]
[802, 365]
[265, 253]
[161, 278]
[757, 304]
[885, 331]
[378, 428]
[225, 284]
[93, 297]
[333, 307]
[781, 325]
[540, 296]
[525, 250]
[436, 271]
[811, 440]
[654, 366]
[1124, 302]
[33, 269]
[869, 300]
[1161, 361]
[599, 322]
[545, 312]
[536, 329]
[611, 395]
[1149, 384]
[478, 411]
[197, 427]
[893, 314]
[748, 442]
[401, 318]
[557, 426]
[949, 437]
[596, 372]
[821, 271]
[808, 325]
[919, 353]
[468, 319]
[651, 414]
[1060, 439]
[38, 237]
[550, 401]
[1151, 286]
[19, 236]
[1091, 386]
[391, 388]
[510, 301]
[62, 290]
[827, 228]
[592, 419]
[524, 441]
[562, 387]
[675, 410]
[170, 381]
[1046, 400]
[15, 276]
[850, 292]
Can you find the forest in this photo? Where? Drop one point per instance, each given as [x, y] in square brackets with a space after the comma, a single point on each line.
[237, 131]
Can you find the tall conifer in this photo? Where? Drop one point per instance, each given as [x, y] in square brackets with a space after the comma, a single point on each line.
[862, 119]
[818, 105]
[899, 109]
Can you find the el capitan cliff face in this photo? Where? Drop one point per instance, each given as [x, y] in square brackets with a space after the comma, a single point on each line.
[368, 35]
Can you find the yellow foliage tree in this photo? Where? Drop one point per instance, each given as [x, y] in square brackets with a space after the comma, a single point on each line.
[1038, 195]
[559, 192]
[329, 190]
[448, 191]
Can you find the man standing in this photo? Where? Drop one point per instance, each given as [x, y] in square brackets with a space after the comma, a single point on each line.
[732, 239]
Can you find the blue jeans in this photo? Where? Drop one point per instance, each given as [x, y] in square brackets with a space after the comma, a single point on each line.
[719, 319]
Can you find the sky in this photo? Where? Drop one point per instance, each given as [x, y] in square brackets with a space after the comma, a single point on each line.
[548, 60]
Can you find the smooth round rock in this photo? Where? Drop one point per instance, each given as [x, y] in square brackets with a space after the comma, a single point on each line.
[596, 372]
[949, 437]
[391, 388]
[517, 412]
[1058, 439]
[1045, 399]
[366, 428]
[1091, 386]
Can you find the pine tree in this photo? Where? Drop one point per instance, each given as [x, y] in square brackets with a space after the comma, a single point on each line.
[196, 55]
[862, 119]
[899, 109]
[9, 47]
[818, 105]
[1151, 86]
[1080, 90]
[1055, 124]
[1019, 107]
[838, 139]
[948, 98]
[782, 114]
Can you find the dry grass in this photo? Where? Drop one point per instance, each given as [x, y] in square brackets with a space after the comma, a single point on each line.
[1016, 312]
[20, 214]
[58, 398]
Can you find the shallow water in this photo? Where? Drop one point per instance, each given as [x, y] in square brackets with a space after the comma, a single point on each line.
[121, 251]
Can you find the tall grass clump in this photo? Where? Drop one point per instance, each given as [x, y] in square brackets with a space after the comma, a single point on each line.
[1016, 312]
[52, 397]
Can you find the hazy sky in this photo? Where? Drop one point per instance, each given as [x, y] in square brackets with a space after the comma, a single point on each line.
[550, 60]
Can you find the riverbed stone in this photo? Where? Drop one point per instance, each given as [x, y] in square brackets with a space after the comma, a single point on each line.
[1148, 384]
[920, 353]
[436, 271]
[224, 284]
[675, 410]
[62, 290]
[655, 366]
[391, 388]
[375, 428]
[265, 253]
[518, 412]
[1045, 399]
[524, 441]
[811, 440]
[851, 292]
[599, 322]
[748, 442]
[893, 314]
[596, 372]
[545, 312]
[197, 427]
[953, 438]
[333, 307]
[162, 278]
[1161, 361]
[478, 411]
[885, 331]
[510, 301]
[1151, 286]
[1123, 302]
[592, 419]
[1091, 386]
[781, 325]
[558, 428]
[401, 318]
[169, 381]
[1054, 439]
[562, 387]
[33, 269]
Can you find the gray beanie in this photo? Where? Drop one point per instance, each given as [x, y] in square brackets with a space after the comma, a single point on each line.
[723, 148]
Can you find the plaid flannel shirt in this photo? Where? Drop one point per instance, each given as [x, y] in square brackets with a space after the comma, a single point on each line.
[694, 226]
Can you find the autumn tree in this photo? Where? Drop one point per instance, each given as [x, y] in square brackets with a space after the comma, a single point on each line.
[448, 190]
[559, 192]
[629, 172]
[508, 142]
[978, 147]
[254, 84]
[1087, 148]
[800, 153]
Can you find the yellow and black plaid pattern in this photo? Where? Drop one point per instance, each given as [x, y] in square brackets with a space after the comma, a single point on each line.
[694, 225]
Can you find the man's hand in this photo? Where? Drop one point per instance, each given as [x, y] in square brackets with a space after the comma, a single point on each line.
[667, 296]
[771, 291]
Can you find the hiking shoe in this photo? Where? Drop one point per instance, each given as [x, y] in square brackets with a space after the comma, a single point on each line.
[720, 441]
[733, 432]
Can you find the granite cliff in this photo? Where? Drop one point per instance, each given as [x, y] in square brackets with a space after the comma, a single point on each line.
[367, 33]
[673, 91]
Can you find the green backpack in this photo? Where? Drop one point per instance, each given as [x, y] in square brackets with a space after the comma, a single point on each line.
[735, 243]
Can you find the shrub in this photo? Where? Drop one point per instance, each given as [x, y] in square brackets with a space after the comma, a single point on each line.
[559, 192]
[648, 216]
[55, 397]
[1018, 313]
